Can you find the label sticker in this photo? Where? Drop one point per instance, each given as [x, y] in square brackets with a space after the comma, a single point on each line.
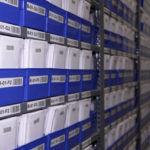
[40, 147]
[87, 77]
[38, 80]
[72, 42]
[9, 28]
[11, 82]
[86, 143]
[74, 133]
[86, 126]
[10, 2]
[72, 97]
[56, 17]
[36, 9]
[85, 45]
[57, 100]
[86, 94]
[76, 148]
[35, 34]
[57, 39]
[85, 28]
[73, 24]
[57, 141]
[10, 110]
[74, 78]
[36, 105]
[58, 78]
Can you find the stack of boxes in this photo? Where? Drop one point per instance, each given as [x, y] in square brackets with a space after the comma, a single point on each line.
[47, 57]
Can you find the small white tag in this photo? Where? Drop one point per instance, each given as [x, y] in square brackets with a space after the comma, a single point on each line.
[72, 42]
[36, 9]
[74, 133]
[58, 78]
[86, 126]
[57, 39]
[11, 82]
[10, 110]
[73, 24]
[72, 97]
[87, 77]
[57, 100]
[85, 45]
[57, 141]
[10, 2]
[86, 143]
[40, 147]
[85, 28]
[35, 34]
[86, 94]
[38, 80]
[9, 28]
[36, 105]
[56, 17]
[74, 78]
[76, 148]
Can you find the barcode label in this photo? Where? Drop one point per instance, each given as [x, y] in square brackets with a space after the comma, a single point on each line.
[9, 28]
[73, 24]
[10, 110]
[10, 2]
[57, 100]
[85, 45]
[36, 9]
[74, 78]
[72, 97]
[71, 42]
[85, 28]
[7, 129]
[86, 126]
[11, 82]
[35, 34]
[40, 147]
[38, 80]
[56, 17]
[74, 133]
[57, 141]
[86, 94]
[58, 78]
[86, 143]
[87, 77]
[57, 39]
[36, 105]
[76, 148]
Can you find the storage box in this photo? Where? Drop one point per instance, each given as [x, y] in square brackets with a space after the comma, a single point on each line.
[12, 86]
[37, 84]
[56, 18]
[33, 14]
[58, 3]
[115, 6]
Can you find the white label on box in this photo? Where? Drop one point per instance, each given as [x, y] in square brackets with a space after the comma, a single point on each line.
[86, 126]
[35, 34]
[87, 77]
[57, 39]
[58, 78]
[36, 105]
[9, 28]
[73, 24]
[11, 82]
[76, 148]
[38, 80]
[72, 97]
[57, 100]
[10, 2]
[36, 9]
[74, 78]
[72, 42]
[85, 28]
[57, 141]
[10, 110]
[86, 143]
[56, 17]
[40, 147]
[85, 45]
[74, 133]
[86, 94]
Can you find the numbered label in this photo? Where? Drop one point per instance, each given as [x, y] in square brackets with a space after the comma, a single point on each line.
[57, 100]
[87, 77]
[85, 45]
[71, 42]
[10, 2]
[86, 143]
[74, 133]
[86, 126]
[76, 148]
[57, 39]
[73, 24]
[72, 97]
[74, 78]
[58, 78]
[86, 94]
[85, 28]
[56, 17]
[38, 80]
[40, 147]
[57, 141]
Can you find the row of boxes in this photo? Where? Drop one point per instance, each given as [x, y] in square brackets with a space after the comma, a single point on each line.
[118, 36]
[54, 20]
[124, 8]
[118, 70]
[119, 130]
[65, 125]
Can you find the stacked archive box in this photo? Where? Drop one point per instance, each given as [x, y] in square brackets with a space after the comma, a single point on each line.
[46, 56]
[120, 74]
[145, 73]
